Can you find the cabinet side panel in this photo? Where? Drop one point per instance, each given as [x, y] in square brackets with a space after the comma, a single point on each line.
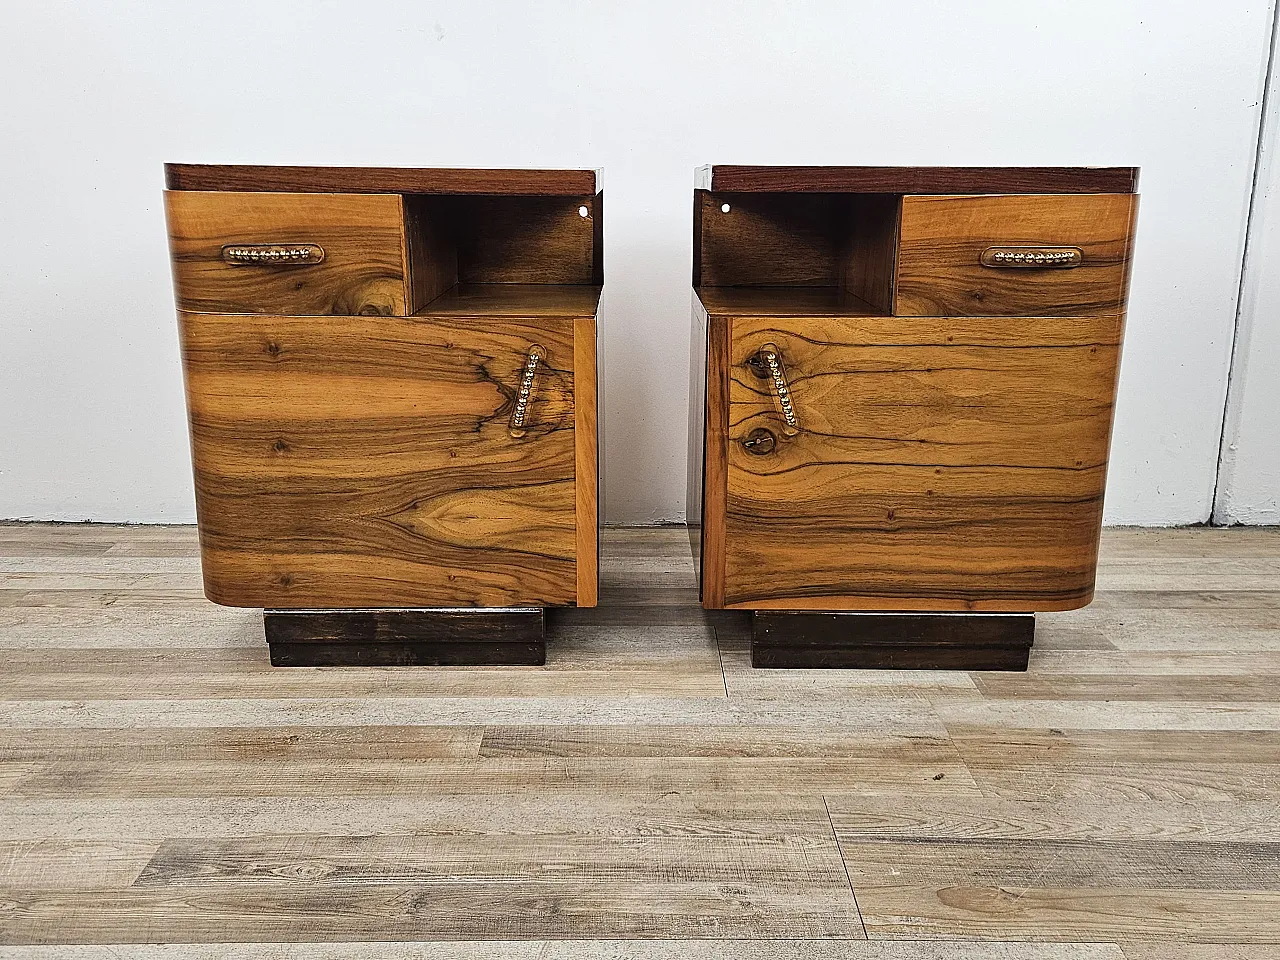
[586, 460]
[714, 457]
[696, 447]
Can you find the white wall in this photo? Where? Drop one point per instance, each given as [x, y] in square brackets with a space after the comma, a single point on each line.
[97, 95]
[1249, 479]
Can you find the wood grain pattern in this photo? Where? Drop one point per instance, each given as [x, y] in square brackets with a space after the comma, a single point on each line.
[715, 457]
[943, 180]
[408, 180]
[770, 239]
[586, 461]
[501, 301]
[364, 271]
[943, 237]
[432, 250]
[171, 796]
[506, 239]
[870, 255]
[749, 301]
[955, 464]
[365, 462]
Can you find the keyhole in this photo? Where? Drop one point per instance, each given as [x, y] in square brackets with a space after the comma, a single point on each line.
[759, 442]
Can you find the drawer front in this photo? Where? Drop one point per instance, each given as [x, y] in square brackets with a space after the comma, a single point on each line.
[288, 253]
[948, 464]
[366, 462]
[1047, 255]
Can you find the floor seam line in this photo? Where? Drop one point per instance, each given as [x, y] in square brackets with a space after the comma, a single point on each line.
[715, 633]
[844, 863]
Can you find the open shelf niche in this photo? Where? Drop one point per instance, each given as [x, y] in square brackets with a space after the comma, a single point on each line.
[796, 253]
[504, 254]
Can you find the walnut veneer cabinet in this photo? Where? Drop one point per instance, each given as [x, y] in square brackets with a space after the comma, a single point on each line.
[902, 392]
[391, 381]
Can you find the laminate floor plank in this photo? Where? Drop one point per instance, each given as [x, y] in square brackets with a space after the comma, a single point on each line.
[167, 794]
[725, 949]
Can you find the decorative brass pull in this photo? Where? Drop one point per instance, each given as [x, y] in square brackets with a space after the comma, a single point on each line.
[273, 254]
[521, 409]
[1034, 258]
[767, 365]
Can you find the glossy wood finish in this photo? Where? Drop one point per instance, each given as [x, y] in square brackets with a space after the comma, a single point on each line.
[502, 301]
[949, 464]
[710, 381]
[952, 419]
[870, 251]
[769, 240]
[783, 302]
[406, 638]
[364, 271]
[940, 180]
[942, 239]
[896, 641]
[366, 462]
[405, 180]
[586, 461]
[504, 239]
[165, 794]
[342, 463]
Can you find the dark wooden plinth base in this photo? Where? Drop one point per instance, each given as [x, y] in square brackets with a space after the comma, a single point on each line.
[406, 638]
[898, 641]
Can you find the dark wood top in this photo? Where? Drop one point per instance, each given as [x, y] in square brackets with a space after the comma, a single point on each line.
[199, 176]
[738, 179]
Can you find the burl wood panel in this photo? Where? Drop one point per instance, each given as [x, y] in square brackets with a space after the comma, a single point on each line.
[942, 239]
[366, 462]
[943, 464]
[363, 272]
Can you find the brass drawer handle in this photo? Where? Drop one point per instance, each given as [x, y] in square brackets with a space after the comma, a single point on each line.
[524, 393]
[767, 365]
[273, 254]
[1034, 258]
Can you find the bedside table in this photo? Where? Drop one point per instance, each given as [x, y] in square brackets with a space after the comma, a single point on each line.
[391, 381]
[902, 391]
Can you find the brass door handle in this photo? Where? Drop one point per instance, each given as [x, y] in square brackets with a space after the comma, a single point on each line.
[767, 365]
[273, 254]
[519, 413]
[1032, 258]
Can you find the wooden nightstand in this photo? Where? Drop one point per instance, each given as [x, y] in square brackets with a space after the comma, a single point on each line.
[391, 379]
[902, 392]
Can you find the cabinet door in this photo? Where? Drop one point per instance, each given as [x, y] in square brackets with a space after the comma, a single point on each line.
[936, 464]
[370, 461]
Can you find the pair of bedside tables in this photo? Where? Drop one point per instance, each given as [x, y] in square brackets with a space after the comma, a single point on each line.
[902, 385]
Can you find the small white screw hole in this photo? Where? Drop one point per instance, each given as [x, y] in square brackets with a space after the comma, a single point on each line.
[583, 212]
[724, 208]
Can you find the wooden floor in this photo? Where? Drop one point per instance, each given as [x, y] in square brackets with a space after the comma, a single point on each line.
[646, 794]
